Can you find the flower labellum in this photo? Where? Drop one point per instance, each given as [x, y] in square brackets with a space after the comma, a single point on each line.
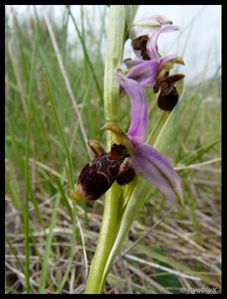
[140, 44]
[168, 96]
[98, 175]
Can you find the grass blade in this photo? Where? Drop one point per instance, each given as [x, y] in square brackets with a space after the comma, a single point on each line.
[27, 172]
[46, 257]
[87, 55]
[57, 51]
[60, 130]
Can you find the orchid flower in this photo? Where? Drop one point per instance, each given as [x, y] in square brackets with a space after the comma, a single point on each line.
[153, 70]
[147, 29]
[129, 155]
[146, 161]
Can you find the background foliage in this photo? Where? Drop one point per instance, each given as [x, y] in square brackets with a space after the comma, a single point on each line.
[49, 241]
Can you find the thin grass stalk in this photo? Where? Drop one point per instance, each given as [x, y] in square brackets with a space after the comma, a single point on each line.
[27, 172]
[71, 181]
[86, 54]
[72, 251]
[14, 252]
[60, 130]
[65, 76]
[46, 257]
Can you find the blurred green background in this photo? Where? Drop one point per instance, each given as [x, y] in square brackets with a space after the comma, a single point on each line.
[183, 252]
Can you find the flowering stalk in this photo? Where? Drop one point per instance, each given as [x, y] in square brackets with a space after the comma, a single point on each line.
[118, 20]
[129, 155]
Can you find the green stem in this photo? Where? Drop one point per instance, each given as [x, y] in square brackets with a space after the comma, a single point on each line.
[130, 212]
[105, 241]
[115, 45]
[154, 134]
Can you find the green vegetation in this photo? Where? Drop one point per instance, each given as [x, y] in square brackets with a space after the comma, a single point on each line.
[50, 241]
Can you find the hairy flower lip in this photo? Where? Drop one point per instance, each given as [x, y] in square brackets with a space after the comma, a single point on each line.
[168, 98]
[97, 176]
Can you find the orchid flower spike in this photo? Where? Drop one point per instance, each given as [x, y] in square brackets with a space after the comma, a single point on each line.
[153, 70]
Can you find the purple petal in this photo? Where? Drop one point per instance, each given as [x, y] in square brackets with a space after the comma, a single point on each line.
[152, 166]
[137, 97]
[147, 26]
[163, 20]
[131, 62]
[145, 73]
[152, 47]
